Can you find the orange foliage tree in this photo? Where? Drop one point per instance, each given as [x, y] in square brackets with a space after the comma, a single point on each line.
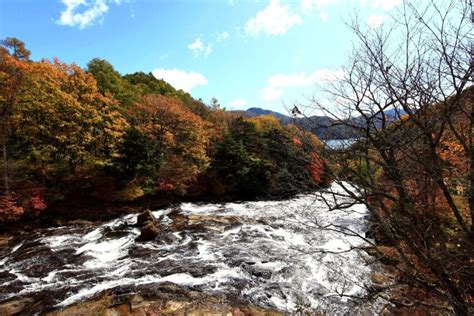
[64, 121]
[182, 135]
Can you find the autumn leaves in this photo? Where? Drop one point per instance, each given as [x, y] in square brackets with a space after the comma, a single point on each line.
[118, 137]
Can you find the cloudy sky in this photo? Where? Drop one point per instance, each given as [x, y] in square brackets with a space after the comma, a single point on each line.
[267, 53]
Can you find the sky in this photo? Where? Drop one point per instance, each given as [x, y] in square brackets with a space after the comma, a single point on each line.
[245, 53]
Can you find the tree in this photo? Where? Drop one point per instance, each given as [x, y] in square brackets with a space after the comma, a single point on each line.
[14, 59]
[138, 156]
[265, 123]
[181, 135]
[110, 81]
[215, 105]
[63, 122]
[17, 48]
[147, 84]
[419, 68]
[259, 157]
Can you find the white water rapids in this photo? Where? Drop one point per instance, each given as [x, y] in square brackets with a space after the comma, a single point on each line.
[281, 254]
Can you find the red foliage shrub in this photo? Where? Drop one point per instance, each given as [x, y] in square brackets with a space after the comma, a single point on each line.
[10, 208]
[37, 202]
[316, 168]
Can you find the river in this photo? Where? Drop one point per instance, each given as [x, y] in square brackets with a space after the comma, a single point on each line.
[277, 254]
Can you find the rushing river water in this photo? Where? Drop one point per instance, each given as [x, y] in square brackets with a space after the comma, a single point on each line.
[279, 254]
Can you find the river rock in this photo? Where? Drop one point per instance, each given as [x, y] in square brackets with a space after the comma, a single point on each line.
[149, 226]
[216, 223]
[179, 220]
[182, 302]
[15, 306]
[146, 217]
[379, 278]
[149, 232]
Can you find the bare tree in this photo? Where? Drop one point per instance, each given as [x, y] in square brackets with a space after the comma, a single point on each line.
[407, 93]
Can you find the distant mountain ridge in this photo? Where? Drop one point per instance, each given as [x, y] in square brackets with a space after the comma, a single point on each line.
[259, 111]
[323, 126]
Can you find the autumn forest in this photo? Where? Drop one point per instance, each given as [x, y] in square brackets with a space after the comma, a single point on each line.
[119, 138]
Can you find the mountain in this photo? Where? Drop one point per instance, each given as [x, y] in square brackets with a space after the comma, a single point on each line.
[323, 126]
[251, 112]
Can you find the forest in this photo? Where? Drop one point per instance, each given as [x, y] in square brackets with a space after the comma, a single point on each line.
[69, 132]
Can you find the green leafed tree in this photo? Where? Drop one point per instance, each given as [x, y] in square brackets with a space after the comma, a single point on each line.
[110, 81]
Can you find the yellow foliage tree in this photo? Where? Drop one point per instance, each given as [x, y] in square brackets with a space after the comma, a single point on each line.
[265, 123]
[63, 119]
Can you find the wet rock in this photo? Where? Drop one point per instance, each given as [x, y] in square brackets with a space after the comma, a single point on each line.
[216, 223]
[136, 302]
[4, 245]
[149, 232]
[145, 218]
[14, 286]
[378, 278]
[82, 222]
[95, 307]
[180, 220]
[15, 306]
[198, 218]
[171, 300]
[258, 272]
[6, 276]
[113, 234]
[4, 240]
[380, 281]
[203, 222]
[149, 226]
[386, 255]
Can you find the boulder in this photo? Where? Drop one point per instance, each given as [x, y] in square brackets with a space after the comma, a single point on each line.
[149, 232]
[149, 226]
[146, 217]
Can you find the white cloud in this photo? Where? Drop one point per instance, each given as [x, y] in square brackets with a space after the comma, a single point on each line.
[198, 48]
[275, 19]
[237, 103]
[224, 36]
[208, 50]
[271, 93]
[309, 5]
[384, 4]
[83, 13]
[323, 15]
[277, 83]
[320, 6]
[375, 20]
[180, 79]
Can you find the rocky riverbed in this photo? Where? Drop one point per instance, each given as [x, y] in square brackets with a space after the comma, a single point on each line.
[242, 258]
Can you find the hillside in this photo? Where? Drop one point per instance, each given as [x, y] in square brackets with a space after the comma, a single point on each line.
[73, 133]
[322, 126]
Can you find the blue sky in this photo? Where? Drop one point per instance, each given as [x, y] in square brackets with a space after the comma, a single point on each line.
[245, 53]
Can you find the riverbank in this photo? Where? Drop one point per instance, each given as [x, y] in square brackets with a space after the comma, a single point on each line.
[88, 210]
[167, 299]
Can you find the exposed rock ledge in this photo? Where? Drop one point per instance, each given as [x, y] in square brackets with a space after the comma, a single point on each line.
[170, 299]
